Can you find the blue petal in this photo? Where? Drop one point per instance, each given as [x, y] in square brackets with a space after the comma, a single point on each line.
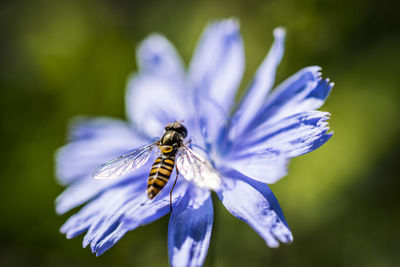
[87, 216]
[302, 92]
[254, 203]
[127, 214]
[263, 155]
[88, 188]
[262, 83]
[108, 217]
[267, 165]
[215, 73]
[157, 56]
[94, 141]
[189, 229]
[153, 102]
[295, 135]
[155, 95]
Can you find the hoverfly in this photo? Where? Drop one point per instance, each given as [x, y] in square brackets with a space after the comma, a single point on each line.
[173, 152]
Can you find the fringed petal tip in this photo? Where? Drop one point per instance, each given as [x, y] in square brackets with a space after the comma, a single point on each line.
[109, 241]
[314, 73]
[285, 238]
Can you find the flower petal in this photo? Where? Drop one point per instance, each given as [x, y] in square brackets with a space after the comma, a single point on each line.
[295, 135]
[215, 73]
[81, 221]
[266, 165]
[262, 83]
[127, 214]
[254, 203]
[153, 102]
[94, 141]
[217, 65]
[263, 155]
[109, 217]
[86, 189]
[189, 229]
[303, 91]
[157, 56]
[155, 95]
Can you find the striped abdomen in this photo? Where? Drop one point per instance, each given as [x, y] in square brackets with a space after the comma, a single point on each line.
[159, 174]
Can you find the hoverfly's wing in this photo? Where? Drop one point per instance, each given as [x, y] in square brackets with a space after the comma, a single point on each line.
[197, 170]
[124, 164]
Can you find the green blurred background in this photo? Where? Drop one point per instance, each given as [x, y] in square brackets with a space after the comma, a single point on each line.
[59, 59]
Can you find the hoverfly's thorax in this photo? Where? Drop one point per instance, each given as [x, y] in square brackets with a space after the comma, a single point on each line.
[171, 138]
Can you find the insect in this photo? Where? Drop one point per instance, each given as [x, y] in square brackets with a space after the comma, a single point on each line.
[173, 152]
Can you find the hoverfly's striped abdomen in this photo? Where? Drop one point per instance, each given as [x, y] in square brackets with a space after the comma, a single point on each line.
[159, 174]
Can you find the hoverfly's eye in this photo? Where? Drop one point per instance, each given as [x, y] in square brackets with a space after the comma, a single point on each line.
[182, 130]
[169, 126]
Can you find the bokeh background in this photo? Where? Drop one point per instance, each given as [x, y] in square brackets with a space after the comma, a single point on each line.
[59, 59]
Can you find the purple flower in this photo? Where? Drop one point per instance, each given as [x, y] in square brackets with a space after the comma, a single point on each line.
[249, 149]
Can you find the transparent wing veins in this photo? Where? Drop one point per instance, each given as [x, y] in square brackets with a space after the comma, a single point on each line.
[124, 164]
[197, 170]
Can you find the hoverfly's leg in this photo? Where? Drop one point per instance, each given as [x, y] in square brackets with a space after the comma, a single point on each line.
[170, 192]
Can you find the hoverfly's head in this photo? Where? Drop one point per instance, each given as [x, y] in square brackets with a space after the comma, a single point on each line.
[177, 127]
